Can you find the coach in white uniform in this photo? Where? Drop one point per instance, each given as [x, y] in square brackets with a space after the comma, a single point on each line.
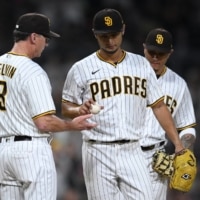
[27, 169]
[157, 49]
[124, 84]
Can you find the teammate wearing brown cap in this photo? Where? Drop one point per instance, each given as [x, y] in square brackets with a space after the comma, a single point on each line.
[27, 116]
[124, 84]
[157, 49]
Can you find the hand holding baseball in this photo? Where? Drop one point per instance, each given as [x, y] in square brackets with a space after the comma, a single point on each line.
[95, 108]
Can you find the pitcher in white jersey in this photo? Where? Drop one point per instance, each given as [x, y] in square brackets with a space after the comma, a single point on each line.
[123, 83]
[27, 116]
[158, 47]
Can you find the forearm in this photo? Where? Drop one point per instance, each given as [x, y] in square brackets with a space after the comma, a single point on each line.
[70, 110]
[166, 121]
[188, 141]
[51, 123]
[188, 137]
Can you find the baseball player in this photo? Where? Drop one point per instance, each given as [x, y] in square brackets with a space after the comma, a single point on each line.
[27, 116]
[157, 49]
[123, 84]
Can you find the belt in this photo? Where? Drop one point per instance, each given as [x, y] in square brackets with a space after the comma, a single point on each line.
[112, 142]
[22, 138]
[152, 146]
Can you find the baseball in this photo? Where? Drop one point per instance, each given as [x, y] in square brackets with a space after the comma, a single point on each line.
[95, 108]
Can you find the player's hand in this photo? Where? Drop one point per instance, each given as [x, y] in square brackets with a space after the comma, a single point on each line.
[179, 148]
[81, 123]
[86, 106]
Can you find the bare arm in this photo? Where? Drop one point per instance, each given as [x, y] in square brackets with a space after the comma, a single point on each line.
[165, 119]
[52, 123]
[71, 110]
[188, 141]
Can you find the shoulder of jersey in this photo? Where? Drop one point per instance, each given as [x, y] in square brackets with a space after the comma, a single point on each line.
[84, 61]
[175, 75]
[136, 57]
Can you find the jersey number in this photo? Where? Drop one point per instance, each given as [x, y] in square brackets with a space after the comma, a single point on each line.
[3, 91]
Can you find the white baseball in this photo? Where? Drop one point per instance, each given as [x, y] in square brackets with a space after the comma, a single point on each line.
[95, 108]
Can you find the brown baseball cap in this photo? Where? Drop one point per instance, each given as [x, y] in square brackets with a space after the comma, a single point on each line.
[35, 23]
[159, 40]
[107, 21]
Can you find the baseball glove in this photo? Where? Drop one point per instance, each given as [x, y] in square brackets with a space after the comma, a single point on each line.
[185, 170]
[163, 163]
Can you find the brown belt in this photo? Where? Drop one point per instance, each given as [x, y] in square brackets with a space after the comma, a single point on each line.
[152, 146]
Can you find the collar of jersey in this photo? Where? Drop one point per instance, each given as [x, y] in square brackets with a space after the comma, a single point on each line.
[16, 54]
[114, 64]
[163, 72]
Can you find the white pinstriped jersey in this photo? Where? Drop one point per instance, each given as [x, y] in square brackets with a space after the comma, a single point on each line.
[31, 98]
[179, 102]
[124, 90]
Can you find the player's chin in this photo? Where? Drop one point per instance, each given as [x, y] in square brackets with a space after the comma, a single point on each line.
[110, 50]
[156, 66]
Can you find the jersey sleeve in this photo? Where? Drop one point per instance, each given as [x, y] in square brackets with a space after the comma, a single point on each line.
[72, 90]
[154, 92]
[38, 91]
[185, 117]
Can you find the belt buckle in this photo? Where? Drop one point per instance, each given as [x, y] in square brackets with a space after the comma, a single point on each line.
[6, 139]
[49, 139]
[9, 139]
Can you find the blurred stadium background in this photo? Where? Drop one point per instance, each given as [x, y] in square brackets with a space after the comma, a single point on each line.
[73, 19]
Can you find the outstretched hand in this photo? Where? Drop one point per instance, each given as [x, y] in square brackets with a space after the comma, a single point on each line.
[81, 123]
